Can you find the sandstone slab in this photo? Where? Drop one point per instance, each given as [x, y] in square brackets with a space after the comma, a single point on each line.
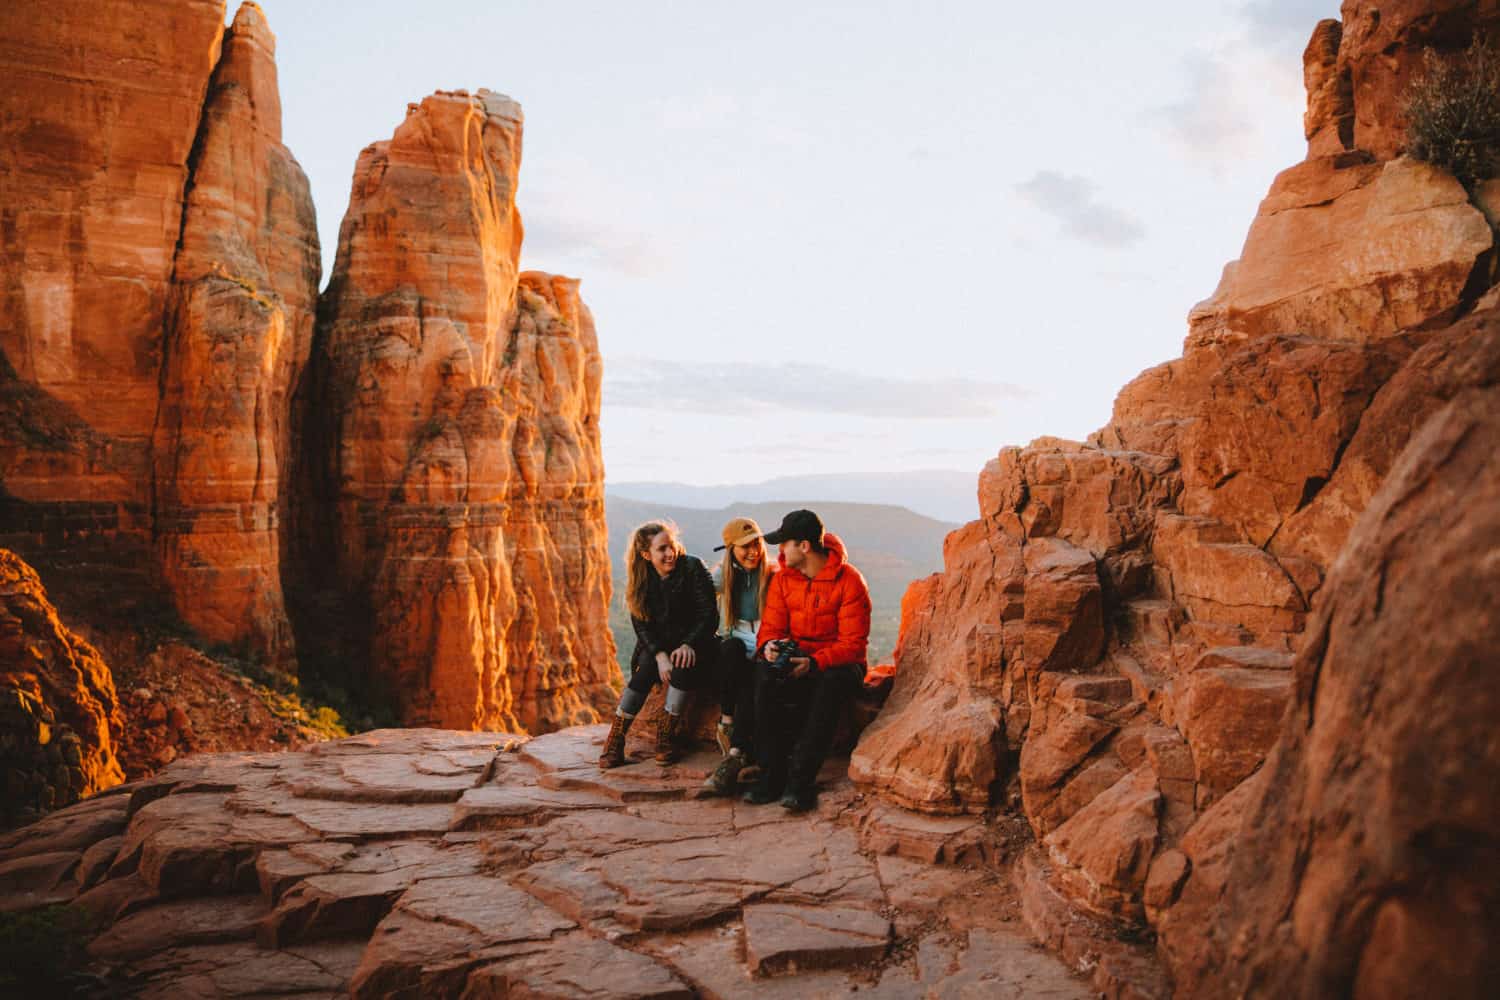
[779, 937]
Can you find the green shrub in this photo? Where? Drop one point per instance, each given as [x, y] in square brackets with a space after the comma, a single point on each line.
[42, 953]
[1453, 113]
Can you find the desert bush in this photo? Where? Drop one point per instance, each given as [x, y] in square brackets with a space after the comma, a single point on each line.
[42, 953]
[1453, 113]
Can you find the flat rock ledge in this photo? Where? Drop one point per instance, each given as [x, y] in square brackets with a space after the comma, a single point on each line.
[428, 863]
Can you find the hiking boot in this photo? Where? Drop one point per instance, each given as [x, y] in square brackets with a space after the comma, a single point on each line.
[758, 795]
[667, 751]
[724, 736]
[613, 754]
[799, 802]
[725, 776]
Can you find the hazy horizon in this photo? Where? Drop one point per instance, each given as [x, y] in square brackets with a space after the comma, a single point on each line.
[841, 237]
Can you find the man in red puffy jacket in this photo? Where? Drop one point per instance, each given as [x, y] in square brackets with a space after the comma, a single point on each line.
[821, 602]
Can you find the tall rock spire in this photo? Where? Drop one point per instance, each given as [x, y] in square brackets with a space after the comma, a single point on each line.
[455, 480]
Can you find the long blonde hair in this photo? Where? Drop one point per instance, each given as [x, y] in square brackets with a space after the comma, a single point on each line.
[637, 569]
[729, 570]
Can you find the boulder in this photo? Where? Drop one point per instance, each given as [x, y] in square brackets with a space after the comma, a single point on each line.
[1348, 250]
[58, 705]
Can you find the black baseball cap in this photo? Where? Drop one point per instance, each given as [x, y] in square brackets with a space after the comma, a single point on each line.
[798, 526]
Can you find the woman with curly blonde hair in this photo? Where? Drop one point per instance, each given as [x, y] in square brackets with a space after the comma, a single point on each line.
[671, 603]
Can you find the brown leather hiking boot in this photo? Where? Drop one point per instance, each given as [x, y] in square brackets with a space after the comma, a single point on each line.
[667, 751]
[613, 754]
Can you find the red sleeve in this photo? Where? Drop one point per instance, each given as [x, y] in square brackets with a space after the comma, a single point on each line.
[854, 624]
[775, 621]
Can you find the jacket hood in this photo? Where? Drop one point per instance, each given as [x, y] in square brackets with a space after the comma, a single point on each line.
[837, 556]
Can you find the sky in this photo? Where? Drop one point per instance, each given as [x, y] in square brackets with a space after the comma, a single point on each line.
[843, 237]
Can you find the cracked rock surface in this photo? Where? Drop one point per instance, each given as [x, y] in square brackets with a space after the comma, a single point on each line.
[439, 863]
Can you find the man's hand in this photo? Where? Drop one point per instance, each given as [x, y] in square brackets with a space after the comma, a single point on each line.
[683, 656]
[801, 665]
[771, 651]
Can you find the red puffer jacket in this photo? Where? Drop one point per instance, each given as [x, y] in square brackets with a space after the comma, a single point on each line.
[829, 614]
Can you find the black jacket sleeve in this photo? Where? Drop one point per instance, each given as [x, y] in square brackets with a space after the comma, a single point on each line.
[705, 610]
[646, 640]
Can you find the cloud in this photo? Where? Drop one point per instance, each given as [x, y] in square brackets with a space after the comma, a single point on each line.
[1071, 201]
[1211, 121]
[740, 388]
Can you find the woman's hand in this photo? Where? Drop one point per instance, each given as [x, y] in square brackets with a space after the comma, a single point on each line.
[683, 656]
[664, 667]
[801, 665]
[771, 651]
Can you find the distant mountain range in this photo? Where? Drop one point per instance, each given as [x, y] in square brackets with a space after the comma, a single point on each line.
[942, 494]
[890, 545]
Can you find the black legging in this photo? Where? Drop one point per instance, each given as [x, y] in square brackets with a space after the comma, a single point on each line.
[737, 690]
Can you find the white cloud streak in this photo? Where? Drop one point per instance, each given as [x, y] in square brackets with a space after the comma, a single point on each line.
[743, 388]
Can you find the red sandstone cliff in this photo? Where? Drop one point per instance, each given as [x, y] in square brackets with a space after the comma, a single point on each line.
[457, 495]
[157, 318]
[162, 270]
[1113, 648]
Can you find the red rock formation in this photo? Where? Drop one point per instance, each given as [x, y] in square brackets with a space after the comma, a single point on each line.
[156, 327]
[57, 704]
[162, 267]
[460, 448]
[239, 331]
[1367, 858]
[1355, 243]
[1383, 49]
[1110, 648]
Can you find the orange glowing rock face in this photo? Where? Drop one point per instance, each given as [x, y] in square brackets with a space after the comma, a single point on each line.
[167, 268]
[240, 324]
[58, 695]
[458, 427]
[434, 464]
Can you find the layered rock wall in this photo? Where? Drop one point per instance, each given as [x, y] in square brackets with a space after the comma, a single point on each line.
[162, 270]
[456, 479]
[238, 332]
[444, 544]
[1114, 647]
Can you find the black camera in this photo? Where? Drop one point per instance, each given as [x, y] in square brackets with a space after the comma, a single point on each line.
[786, 651]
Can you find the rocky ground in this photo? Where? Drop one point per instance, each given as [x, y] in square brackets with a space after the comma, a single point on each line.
[436, 863]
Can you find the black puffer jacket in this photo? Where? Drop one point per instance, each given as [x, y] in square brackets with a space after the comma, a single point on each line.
[683, 612]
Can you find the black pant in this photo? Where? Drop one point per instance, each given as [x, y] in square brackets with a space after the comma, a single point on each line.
[737, 690]
[795, 717]
[644, 674]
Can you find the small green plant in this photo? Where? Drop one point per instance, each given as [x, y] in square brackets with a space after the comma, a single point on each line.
[1453, 113]
[42, 952]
